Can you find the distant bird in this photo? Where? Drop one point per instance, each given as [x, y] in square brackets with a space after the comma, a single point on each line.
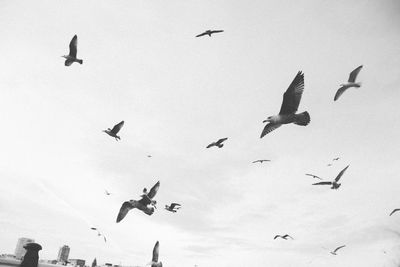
[219, 143]
[154, 261]
[71, 58]
[314, 176]
[395, 210]
[113, 132]
[329, 164]
[173, 207]
[261, 160]
[334, 183]
[142, 204]
[336, 159]
[283, 236]
[334, 252]
[290, 104]
[98, 233]
[209, 32]
[149, 156]
[107, 193]
[350, 83]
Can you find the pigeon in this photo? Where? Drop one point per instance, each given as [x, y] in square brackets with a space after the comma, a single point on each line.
[314, 176]
[219, 143]
[71, 57]
[283, 236]
[334, 252]
[395, 210]
[173, 207]
[334, 183]
[154, 261]
[261, 160]
[350, 83]
[209, 32]
[142, 204]
[113, 132]
[290, 104]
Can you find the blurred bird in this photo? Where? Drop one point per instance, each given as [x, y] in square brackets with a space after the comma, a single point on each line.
[113, 132]
[350, 83]
[283, 236]
[98, 233]
[154, 261]
[107, 193]
[334, 252]
[336, 159]
[329, 164]
[261, 160]
[173, 207]
[290, 104]
[219, 143]
[142, 204]
[71, 58]
[209, 32]
[334, 183]
[395, 210]
[313, 176]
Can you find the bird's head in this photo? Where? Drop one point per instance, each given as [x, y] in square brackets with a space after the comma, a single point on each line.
[269, 119]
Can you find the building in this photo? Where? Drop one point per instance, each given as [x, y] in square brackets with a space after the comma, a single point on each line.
[63, 254]
[77, 262]
[19, 250]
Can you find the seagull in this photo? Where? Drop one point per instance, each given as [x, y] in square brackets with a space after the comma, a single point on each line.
[350, 83]
[283, 236]
[393, 211]
[334, 183]
[98, 233]
[261, 160]
[329, 164]
[107, 193]
[113, 132]
[142, 204]
[154, 261]
[336, 159]
[334, 252]
[71, 58]
[219, 143]
[314, 176]
[209, 32]
[173, 207]
[290, 104]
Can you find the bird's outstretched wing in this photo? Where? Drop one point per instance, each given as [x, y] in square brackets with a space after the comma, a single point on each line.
[220, 141]
[153, 190]
[276, 236]
[285, 236]
[156, 250]
[201, 34]
[269, 128]
[125, 208]
[73, 46]
[354, 73]
[338, 248]
[117, 127]
[216, 31]
[393, 211]
[173, 205]
[323, 183]
[211, 145]
[292, 96]
[339, 92]
[340, 174]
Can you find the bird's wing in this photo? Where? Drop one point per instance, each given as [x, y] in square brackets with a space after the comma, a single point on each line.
[216, 31]
[394, 211]
[269, 128]
[220, 141]
[339, 248]
[341, 173]
[276, 236]
[339, 92]
[323, 183]
[354, 73]
[288, 236]
[73, 46]
[173, 205]
[211, 145]
[125, 208]
[156, 250]
[153, 190]
[292, 96]
[117, 127]
[256, 161]
[201, 34]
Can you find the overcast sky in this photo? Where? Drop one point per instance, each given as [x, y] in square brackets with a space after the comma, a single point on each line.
[176, 94]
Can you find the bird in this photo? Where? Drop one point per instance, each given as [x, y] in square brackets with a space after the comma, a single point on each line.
[142, 204]
[283, 236]
[336, 159]
[71, 57]
[334, 183]
[173, 207]
[314, 176]
[334, 252]
[209, 32]
[113, 132]
[350, 83]
[329, 164]
[219, 143]
[154, 261]
[107, 193]
[98, 233]
[393, 211]
[149, 156]
[261, 160]
[290, 104]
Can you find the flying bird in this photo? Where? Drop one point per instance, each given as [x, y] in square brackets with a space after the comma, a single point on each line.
[329, 164]
[334, 252]
[283, 236]
[334, 183]
[142, 204]
[154, 261]
[314, 176]
[98, 233]
[173, 207]
[107, 193]
[336, 159]
[113, 132]
[219, 143]
[290, 104]
[395, 210]
[71, 57]
[350, 83]
[261, 160]
[209, 32]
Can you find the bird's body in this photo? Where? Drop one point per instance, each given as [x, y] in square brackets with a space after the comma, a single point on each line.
[283, 237]
[73, 49]
[154, 261]
[209, 33]
[290, 104]
[261, 160]
[350, 83]
[335, 251]
[218, 144]
[173, 207]
[395, 210]
[114, 131]
[335, 183]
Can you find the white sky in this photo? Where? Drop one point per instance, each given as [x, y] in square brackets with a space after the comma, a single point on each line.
[177, 93]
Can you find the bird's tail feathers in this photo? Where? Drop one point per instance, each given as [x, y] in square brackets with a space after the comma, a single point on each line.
[302, 119]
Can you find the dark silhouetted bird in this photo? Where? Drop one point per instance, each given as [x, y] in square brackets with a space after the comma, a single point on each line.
[334, 183]
[395, 210]
[334, 252]
[209, 32]
[283, 236]
[290, 104]
[350, 83]
[142, 204]
[113, 132]
[313, 176]
[154, 261]
[71, 57]
[219, 143]
[173, 207]
[98, 233]
[336, 159]
[261, 160]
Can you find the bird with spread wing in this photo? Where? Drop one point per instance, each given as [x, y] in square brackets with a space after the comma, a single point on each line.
[173, 207]
[334, 183]
[314, 176]
[283, 237]
[261, 160]
[218, 144]
[350, 83]
[114, 131]
[154, 261]
[73, 49]
[335, 251]
[209, 32]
